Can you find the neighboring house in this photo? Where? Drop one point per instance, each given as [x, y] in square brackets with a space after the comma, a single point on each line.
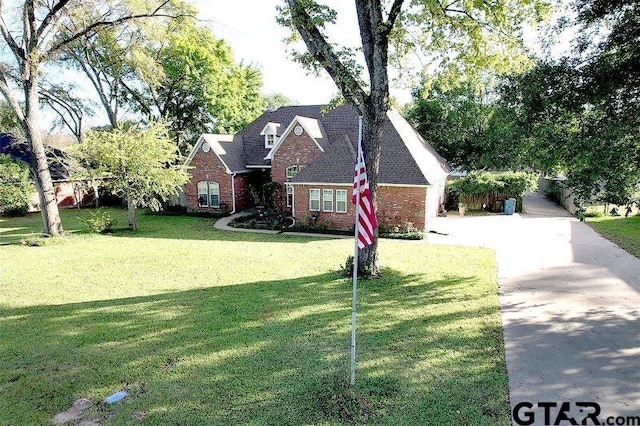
[311, 154]
[68, 192]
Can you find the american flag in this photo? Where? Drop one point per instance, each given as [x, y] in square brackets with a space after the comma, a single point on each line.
[366, 216]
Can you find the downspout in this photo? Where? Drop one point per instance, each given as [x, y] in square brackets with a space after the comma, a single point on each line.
[293, 207]
[233, 193]
[427, 214]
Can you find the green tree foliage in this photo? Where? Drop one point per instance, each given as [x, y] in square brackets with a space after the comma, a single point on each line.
[202, 88]
[460, 36]
[136, 164]
[175, 71]
[35, 33]
[457, 123]
[465, 42]
[580, 114]
[471, 129]
[274, 101]
[15, 187]
[9, 123]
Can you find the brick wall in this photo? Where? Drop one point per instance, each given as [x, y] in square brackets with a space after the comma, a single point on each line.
[396, 206]
[399, 205]
[338, 220]
[242, 192]
[207, 167]
[300, 150]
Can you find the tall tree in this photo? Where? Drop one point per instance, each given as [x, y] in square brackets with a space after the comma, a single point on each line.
[175, 71]
[136, 164]
[455, 122]
[273, 101]
[117, 60]
[35, 32]
[464, 36]
[201, 88]
[579, 114]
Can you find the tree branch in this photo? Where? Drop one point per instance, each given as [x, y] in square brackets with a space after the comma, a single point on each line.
[466, 13]
[394, 12]
[76, 116]
[15, 105]
[57, 7]
[322, 51]
[106, 24]
[6, 35]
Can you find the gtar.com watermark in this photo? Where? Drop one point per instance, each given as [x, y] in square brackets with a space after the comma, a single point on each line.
[567, 413]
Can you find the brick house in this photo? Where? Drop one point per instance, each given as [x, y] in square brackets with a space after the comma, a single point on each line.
[69, 192]
[311, 153]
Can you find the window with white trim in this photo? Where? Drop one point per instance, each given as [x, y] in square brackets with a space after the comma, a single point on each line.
[214, 194]
[314, 200]
[327, 200]
[208, 194]
[269, 141]
[270, 133]
[341, 200]
[289, 195]
[292, 171]
[203, 194]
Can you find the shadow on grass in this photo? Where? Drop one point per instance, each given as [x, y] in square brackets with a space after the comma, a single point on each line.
[13, 230]
[262, 353]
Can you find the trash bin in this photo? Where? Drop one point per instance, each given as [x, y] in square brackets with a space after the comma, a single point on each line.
[510, 206]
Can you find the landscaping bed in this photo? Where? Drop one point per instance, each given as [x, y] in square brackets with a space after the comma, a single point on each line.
[262, 219]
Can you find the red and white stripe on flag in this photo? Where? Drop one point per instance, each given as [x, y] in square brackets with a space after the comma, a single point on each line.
[367, 221]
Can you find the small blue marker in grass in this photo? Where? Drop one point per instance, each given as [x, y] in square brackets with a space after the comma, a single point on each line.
[116, 397]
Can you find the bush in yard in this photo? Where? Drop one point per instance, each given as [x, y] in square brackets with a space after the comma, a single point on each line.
[364, 271]
[481, 185]
[99, 222]
[15, 187]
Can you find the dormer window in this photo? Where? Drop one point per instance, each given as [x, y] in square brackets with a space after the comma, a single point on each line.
[270, 133]
[269, 141]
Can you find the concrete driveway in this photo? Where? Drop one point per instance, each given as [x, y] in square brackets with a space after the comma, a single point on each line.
[570, 311]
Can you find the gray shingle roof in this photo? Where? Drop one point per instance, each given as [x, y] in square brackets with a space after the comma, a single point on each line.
[335, 123]
[406, 158]
[20, 150]
[233, 156]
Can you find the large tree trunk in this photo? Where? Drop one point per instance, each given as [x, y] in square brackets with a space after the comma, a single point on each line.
[372, 124]
[372, 104]
[375, 46]
[41, 174]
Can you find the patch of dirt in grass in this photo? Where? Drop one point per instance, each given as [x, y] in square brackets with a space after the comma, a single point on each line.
[73, 413]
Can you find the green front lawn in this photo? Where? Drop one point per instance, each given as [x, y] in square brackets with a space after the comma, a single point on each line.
[624, 231]
[211, 327]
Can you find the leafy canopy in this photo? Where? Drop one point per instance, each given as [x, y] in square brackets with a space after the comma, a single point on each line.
[135, 163]
[203, 88]
[580, 115]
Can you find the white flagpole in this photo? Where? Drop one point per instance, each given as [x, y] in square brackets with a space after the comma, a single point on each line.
[354, 305]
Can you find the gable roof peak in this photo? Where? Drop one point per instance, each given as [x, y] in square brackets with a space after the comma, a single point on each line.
[270, 129]
[310, 126]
